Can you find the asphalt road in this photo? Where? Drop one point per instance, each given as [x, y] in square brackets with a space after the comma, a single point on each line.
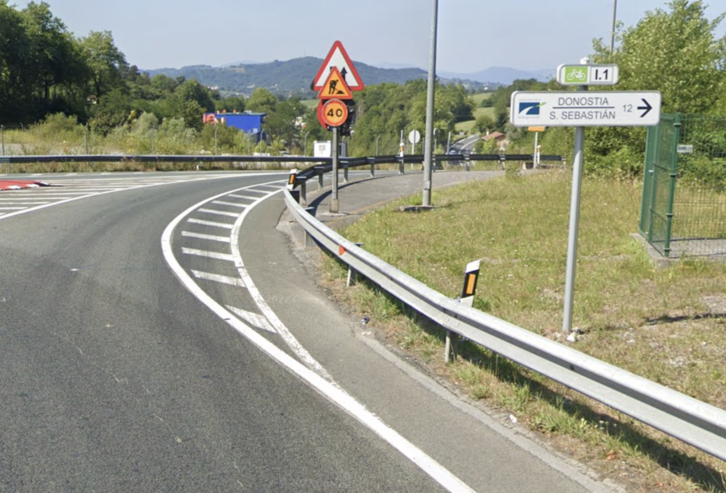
[115, 377]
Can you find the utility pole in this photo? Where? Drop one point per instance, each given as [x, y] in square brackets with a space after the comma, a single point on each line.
[428, 168]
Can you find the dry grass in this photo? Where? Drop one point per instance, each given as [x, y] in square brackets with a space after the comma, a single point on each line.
[666, 324]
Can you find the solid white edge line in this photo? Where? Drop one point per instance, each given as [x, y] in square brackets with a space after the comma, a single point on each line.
[327, 388]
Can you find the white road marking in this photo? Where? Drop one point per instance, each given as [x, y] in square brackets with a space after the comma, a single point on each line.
[221, 239]
[210, 223]
[326, 387]
[246, 197]
[254, 319]
[71, 193]
[232, 204]
[206, 254]
[15, 202]
[208, 276]
[219, 213]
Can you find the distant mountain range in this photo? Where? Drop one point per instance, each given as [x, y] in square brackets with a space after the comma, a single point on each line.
[293, 77]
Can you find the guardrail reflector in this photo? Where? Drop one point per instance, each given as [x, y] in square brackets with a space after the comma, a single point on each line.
[341, 250]
[292, 180]
[471, 276]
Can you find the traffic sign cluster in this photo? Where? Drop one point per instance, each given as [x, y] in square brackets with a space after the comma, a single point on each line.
[586, 109]
[336, 80]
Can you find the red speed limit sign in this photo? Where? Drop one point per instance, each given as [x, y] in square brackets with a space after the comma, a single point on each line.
[334, 113]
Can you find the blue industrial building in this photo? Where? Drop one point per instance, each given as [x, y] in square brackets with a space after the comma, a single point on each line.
[249, 123]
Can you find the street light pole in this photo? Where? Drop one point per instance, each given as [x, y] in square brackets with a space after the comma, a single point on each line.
[430, 110]
[615, 16]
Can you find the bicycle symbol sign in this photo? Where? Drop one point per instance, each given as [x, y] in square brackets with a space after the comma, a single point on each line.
[601, 75]
[576, 74]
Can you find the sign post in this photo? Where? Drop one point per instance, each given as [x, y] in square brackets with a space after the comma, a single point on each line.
[335, 81]
[582, 109]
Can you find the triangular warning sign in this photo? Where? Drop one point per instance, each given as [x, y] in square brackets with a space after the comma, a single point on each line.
[335, 87]
[338, 58]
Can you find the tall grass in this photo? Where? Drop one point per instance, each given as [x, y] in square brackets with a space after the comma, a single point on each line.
[656, 322]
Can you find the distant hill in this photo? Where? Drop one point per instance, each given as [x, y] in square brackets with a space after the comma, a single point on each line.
[503, 75]
[293, 77]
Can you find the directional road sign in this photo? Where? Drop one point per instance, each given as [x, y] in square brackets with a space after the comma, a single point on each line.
[588, 75]
[585, 109]
[339, 59]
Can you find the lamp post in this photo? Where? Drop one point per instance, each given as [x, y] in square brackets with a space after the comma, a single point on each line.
[430, 109]
[612, 36]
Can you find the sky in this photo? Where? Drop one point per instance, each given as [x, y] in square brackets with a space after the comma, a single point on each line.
[473, 35]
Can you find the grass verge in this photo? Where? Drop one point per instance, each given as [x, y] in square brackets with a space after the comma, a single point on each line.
[665, 324]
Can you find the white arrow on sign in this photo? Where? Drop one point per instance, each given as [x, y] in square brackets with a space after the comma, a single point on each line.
[585, 109]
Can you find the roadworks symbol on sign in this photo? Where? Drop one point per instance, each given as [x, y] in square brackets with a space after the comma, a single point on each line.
[335, 87]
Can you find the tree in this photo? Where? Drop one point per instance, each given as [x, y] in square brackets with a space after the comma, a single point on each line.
[675, 52]
[106, 62]
[57, 65]
[14, 70]
[284, 122]
[261, 101]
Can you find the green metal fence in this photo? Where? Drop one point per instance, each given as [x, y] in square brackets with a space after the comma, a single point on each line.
[683, 212]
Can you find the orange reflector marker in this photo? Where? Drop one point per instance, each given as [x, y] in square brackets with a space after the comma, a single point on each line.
[471, 276]
[292, 180]
[341, 250]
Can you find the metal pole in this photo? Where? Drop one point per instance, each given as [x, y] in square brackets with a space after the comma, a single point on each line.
[2, 132]
[615, 16]
[430, 109]
[574, 222]
[334, 204]
[534, 154]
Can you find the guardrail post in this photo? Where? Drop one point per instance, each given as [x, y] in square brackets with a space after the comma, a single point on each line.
[502, 159]
[350, 280]
[303, 193]
[345, 174]
[401, 166]
[471, 276]
[309, 240]
[320, 182]
[2, 132]
[373, 169]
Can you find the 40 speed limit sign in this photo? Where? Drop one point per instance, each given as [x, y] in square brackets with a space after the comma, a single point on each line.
[333, 113]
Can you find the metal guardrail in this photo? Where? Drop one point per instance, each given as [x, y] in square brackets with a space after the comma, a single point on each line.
[685, 418]
[206, 158]
[156, 158]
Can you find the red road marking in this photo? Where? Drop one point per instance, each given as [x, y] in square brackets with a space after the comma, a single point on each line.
[20, 184]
